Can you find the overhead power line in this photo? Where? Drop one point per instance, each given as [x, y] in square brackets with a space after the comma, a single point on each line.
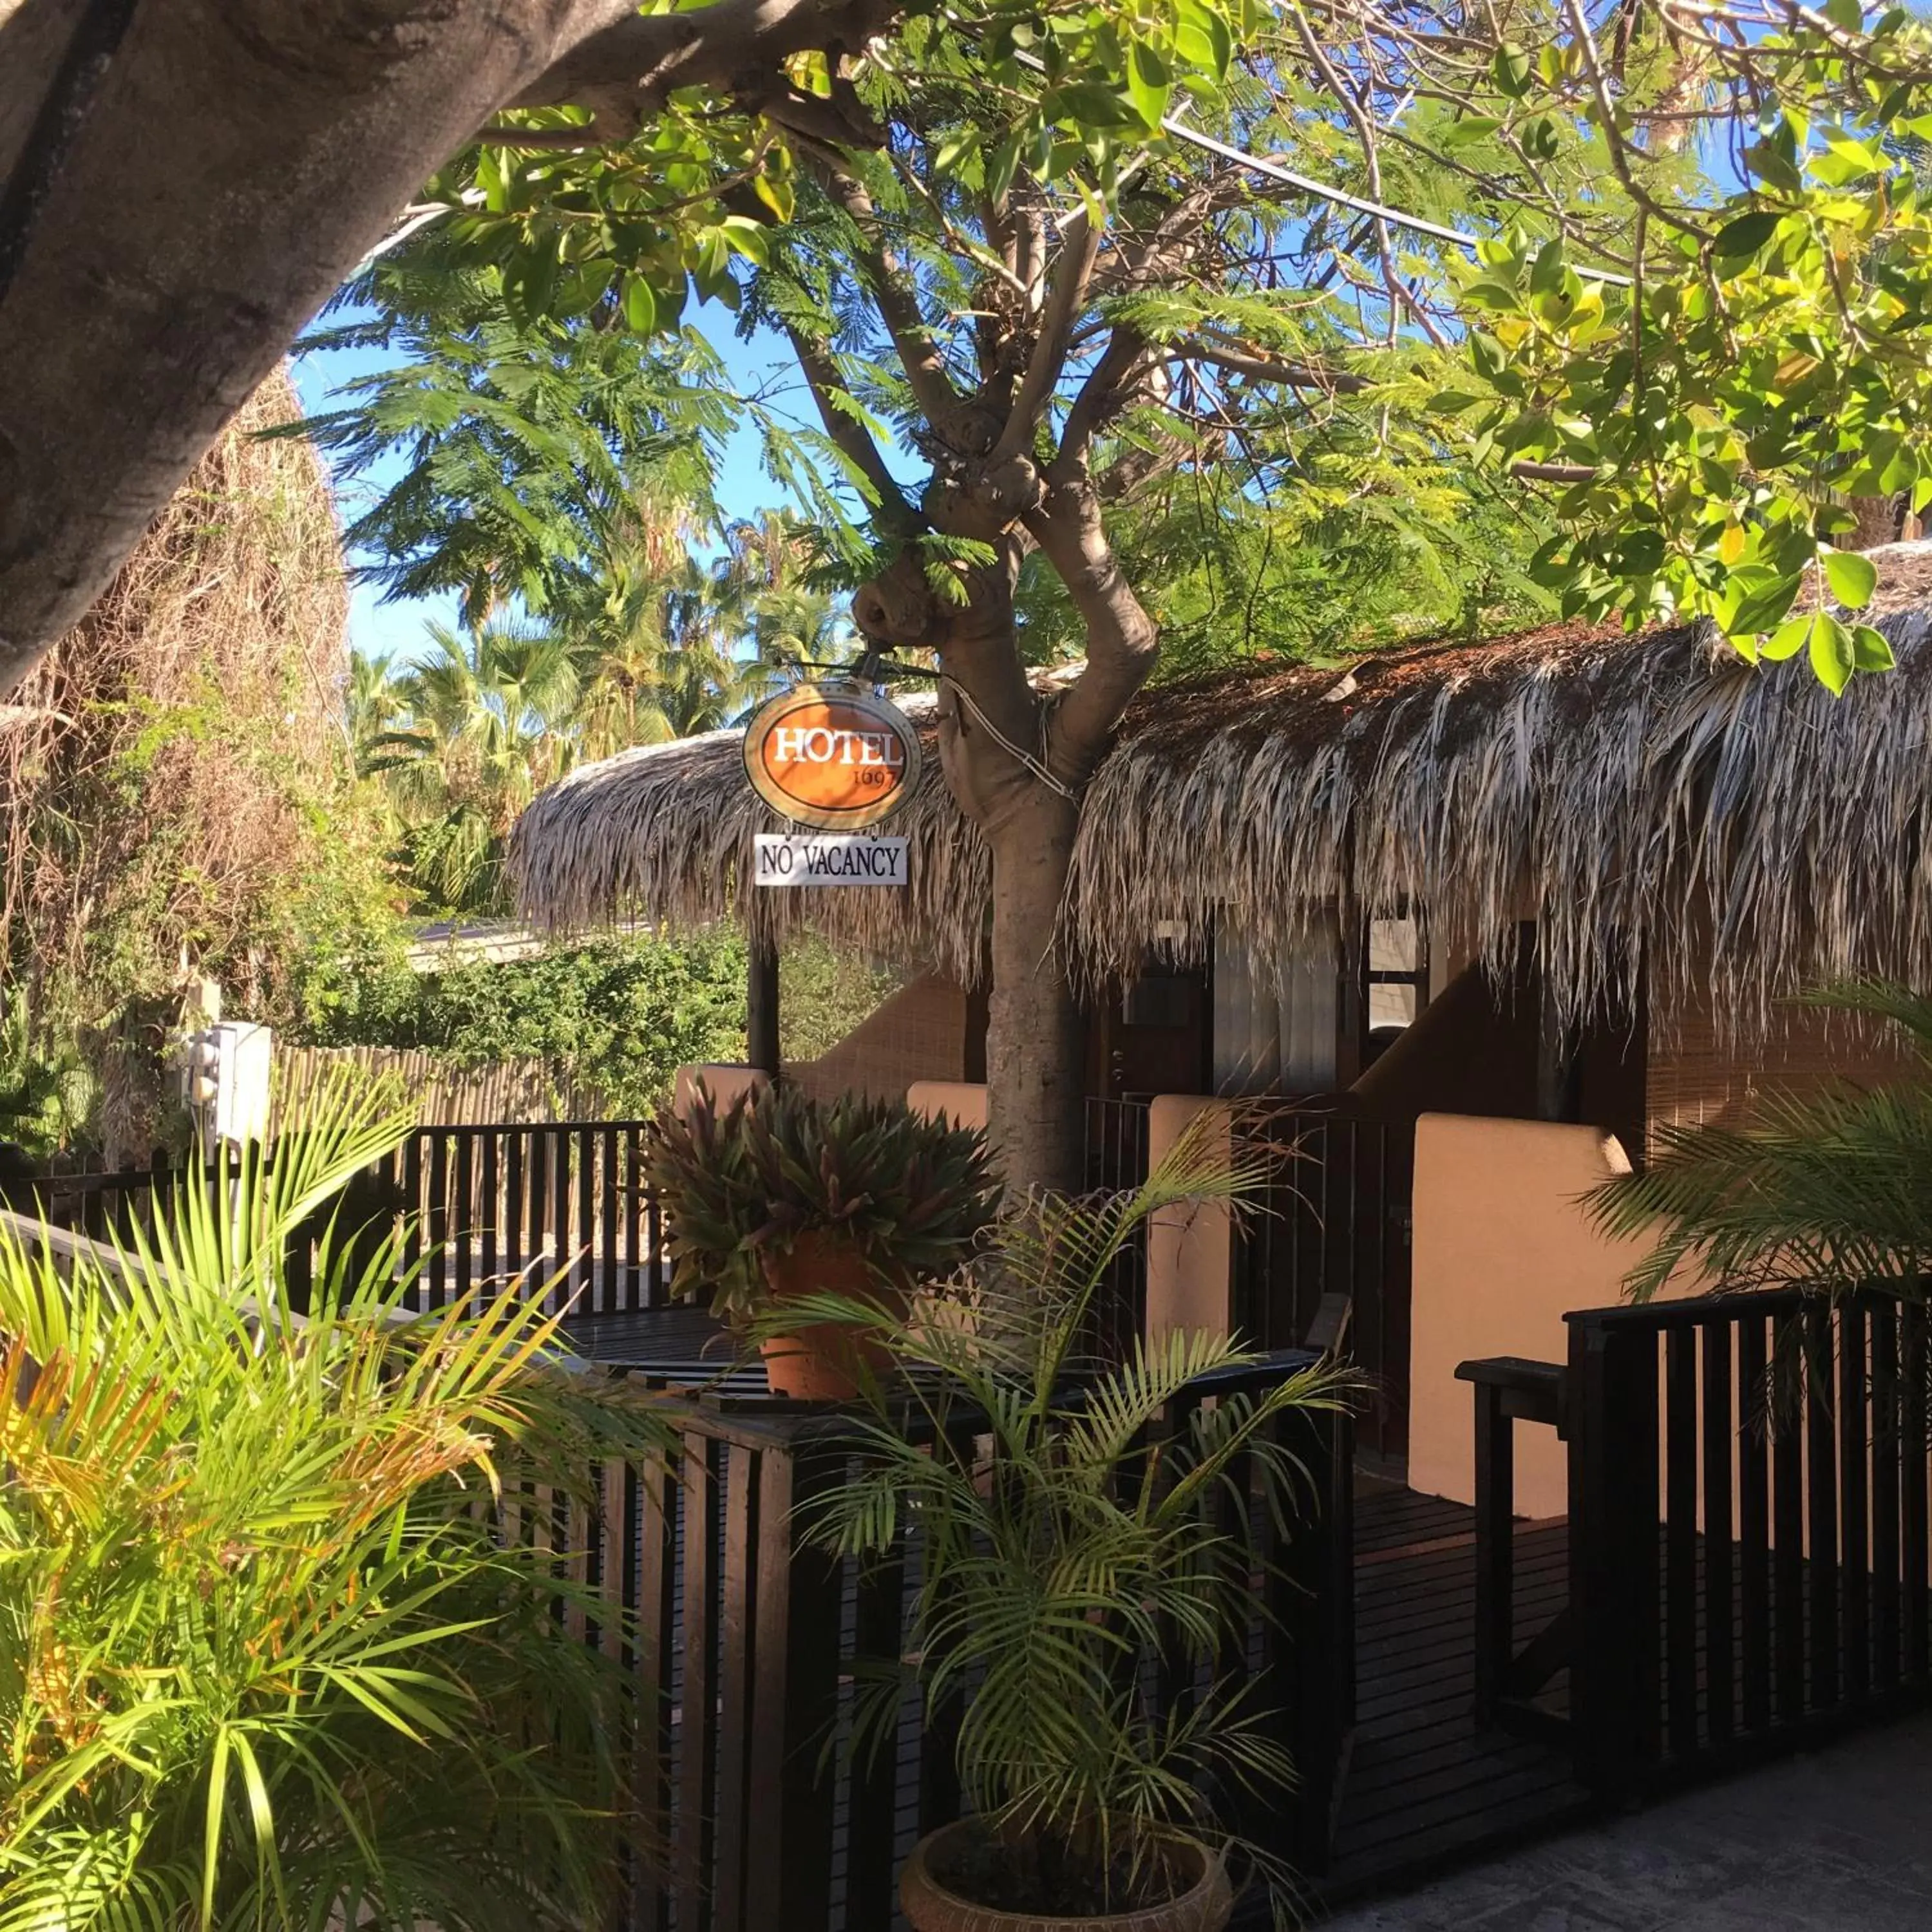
[1341, 197]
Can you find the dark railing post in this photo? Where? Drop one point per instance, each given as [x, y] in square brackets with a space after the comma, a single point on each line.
[1311, 1632]
[761, 1004]
[1615, 1586]
[794, 1698]
[1496, 1547]
[1508, 1390]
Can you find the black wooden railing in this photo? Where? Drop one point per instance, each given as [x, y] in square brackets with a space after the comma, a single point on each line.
[1749, 1556]
[559, 1208]
[748, 1634]
[1333, 1226]
[109, 1205]
[1116, 1146]
[1749, 1550]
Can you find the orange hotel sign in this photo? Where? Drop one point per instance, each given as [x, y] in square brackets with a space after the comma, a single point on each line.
[838, 759]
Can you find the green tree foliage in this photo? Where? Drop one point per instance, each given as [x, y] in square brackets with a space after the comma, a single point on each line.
[472, 733]
[464, 738]
[267, 1659]
[535, 453]
[1687, 315]
[620, 1015]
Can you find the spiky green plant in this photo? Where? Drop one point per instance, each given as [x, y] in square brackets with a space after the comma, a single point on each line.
[746, 1181]
[266, 1660]
[1826, 1189]
[1051, 1567]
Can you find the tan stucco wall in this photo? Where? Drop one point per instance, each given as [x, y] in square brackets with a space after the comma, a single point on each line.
[724, 1080]
[918, 1034]
[1502, 1251]
[962, 1102]
[1190, 1248]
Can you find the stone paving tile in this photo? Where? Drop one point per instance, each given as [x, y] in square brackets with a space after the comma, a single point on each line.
[1837, 1841]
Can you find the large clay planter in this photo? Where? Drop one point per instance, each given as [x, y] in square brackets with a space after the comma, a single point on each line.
[1205, 1906]
[821, 1363]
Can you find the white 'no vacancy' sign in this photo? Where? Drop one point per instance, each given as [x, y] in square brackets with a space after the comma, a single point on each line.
[851, 860]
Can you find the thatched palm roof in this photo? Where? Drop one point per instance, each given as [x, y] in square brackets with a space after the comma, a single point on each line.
[1631, 792]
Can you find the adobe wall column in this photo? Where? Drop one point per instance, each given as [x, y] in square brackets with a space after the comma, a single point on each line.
[962, 1102]
[724, 1081]
[1191, 1247]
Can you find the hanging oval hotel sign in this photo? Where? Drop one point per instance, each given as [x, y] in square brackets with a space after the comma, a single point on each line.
[832, 757]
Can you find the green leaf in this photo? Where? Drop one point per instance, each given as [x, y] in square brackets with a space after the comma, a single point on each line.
[640, 305]
[1511, 69]
[1833, 658]
[1202, 38]
[1088, 104]
[1001, 165]
[776, 195]
[1852, 577]
[747, 237]
[1490, 356]
[1788, 640]
[1541, 139]
[1471, 128]
[1871, 650]
[1739, 240]
[1148, 83]
[1452, 402]
[1761, 600]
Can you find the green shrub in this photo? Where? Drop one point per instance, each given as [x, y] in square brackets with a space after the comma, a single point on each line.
[620, 1014]
[265, 1661]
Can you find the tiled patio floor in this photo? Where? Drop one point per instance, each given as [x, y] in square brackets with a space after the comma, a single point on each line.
[1838, 1841]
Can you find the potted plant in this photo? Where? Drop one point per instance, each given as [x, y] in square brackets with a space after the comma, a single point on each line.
[1059, 1553]
[779, 1196]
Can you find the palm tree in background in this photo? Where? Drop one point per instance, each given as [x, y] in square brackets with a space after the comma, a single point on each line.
[480, 727]
[663, 644]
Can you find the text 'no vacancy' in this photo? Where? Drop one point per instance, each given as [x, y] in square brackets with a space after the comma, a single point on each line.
[783, 860]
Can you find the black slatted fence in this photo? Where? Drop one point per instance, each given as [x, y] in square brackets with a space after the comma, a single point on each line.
[560, 1209]
[746, 1639]
[1333, 1222]
[1748, 1525]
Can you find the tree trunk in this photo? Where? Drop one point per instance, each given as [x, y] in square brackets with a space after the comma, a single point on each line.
[178, 199]
[1036, 1045]
[1877, 522]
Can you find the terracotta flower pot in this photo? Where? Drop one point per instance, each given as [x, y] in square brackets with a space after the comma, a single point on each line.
[821, 1362]
[1205, 1906]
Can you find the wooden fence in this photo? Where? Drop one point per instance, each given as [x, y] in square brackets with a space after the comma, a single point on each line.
[1749, 1559]
[561, 1209]
[1332, 1222]
[493, 1093]
[747, 1637]
[106, 1205]
[1749, 1548]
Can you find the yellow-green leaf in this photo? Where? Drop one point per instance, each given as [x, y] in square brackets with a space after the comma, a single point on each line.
[1852, 577]
[1832, 657]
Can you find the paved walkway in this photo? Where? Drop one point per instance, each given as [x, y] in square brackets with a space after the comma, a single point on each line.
[1838, 1841]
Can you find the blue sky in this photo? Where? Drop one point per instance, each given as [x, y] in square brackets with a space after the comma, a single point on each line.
[396, 629]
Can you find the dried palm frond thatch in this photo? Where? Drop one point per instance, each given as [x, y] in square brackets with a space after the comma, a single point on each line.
[162, 770]
[1652, 801]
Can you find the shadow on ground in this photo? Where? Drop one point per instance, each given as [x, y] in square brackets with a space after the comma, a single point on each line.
[1838, 1841]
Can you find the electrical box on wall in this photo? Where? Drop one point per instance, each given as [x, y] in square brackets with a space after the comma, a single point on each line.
[225, 1080]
